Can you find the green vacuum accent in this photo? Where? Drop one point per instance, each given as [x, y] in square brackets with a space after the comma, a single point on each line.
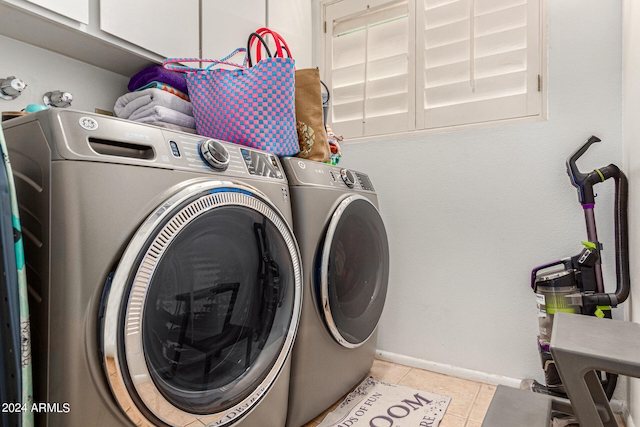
[558, 303]
[600, 311]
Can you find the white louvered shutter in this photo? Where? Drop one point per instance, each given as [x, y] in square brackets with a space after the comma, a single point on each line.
[478, 61]
[370, 58]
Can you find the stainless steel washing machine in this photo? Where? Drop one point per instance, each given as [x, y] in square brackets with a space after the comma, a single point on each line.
[345, 252]
[165, 278]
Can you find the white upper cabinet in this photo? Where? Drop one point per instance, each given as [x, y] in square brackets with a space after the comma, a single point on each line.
[124, 36]
[78, 10]
[292, 20]
[226, 25]
[165, 27]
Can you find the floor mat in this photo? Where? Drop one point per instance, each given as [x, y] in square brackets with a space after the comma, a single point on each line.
[379, 404]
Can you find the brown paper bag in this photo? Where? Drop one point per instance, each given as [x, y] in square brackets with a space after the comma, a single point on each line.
[312, 135]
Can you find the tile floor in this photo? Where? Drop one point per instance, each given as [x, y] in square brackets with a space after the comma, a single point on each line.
[469, 399]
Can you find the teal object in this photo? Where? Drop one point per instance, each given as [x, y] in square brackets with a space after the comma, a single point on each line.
[25, 328]
[32, 108]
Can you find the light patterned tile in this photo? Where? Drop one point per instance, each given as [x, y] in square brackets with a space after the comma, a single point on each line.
[420, 378]
[452, 421]
[388, 372]
[473, 424]
[462, 392]
[481, 404]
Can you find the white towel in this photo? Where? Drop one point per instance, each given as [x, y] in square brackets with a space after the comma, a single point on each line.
[137, 102]
[163, 114]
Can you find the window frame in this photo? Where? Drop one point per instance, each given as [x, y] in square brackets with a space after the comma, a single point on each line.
[539, 102]
[348, 8]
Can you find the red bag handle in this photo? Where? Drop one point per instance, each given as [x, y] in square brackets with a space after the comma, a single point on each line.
[279, 41]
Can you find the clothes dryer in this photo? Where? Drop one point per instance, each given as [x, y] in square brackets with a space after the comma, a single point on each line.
[345, 252]
[165, 278]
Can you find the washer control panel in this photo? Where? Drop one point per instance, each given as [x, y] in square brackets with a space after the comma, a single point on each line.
[92, 137]
[207, 154]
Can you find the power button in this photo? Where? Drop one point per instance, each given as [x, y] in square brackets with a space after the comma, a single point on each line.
[174, 148]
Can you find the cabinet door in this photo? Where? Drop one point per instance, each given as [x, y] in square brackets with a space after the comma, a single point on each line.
[166, 27]
[292, 20]
[78, 10]
[226, 25]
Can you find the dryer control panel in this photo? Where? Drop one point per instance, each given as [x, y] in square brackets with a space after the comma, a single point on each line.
[306, 172]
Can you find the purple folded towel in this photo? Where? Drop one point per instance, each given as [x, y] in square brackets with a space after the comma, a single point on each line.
[156, 73]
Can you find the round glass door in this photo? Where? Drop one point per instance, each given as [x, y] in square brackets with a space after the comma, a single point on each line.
[209, 308]
[354, 271]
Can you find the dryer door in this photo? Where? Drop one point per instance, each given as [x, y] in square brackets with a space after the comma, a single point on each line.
[354, 271]
[203, 308]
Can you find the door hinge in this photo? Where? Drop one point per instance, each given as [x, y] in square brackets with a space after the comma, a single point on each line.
[325, 27]
[539, 83]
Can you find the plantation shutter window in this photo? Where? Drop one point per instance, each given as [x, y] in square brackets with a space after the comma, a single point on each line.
[422, 64]
[480, 61]
[372, 80]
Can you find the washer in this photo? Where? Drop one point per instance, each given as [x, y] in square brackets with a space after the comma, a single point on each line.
[165, 278]
[345, 252]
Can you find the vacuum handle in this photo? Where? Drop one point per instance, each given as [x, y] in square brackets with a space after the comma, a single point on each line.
[566, 262]
[583, 181]
[623, 282]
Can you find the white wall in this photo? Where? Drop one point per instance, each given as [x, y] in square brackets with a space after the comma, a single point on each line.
[631, 145]
[469, 213]
[44, 71]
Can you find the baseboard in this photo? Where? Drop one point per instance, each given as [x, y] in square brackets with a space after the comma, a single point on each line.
[450, 370]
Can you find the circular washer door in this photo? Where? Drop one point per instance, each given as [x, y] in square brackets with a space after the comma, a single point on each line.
[354, 271]
[203, 308]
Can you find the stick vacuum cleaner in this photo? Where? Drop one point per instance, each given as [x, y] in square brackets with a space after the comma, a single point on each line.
[575, 285]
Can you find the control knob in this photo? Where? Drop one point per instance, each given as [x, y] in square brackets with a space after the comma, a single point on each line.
[214, 154]
[347, 177]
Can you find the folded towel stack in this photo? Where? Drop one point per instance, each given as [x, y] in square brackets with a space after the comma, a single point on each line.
[166, 88]
[157, 97]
